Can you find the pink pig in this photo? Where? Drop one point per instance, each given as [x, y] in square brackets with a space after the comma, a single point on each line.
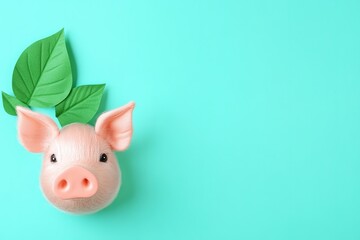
[80, 172]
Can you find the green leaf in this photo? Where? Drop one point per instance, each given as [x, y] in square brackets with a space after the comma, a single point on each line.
[10, 103]
[81, 105]
[42, 76]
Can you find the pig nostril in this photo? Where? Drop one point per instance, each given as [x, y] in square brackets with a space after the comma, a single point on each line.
[63, 184]
[85, 183]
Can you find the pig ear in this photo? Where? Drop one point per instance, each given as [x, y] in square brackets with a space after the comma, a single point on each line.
[35, 130]
[116, 126]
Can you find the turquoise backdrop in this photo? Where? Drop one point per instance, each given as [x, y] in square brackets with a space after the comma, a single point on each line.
[247, 124]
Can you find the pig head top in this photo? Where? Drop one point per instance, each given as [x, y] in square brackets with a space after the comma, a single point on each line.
[80, 173]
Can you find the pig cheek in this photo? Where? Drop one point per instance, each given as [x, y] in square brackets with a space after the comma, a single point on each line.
[110, 181]
[47, 178]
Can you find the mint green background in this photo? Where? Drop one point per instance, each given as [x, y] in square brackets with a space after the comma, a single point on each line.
[247, 124]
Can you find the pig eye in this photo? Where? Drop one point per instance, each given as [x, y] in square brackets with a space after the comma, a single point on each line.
[53, 158]
[103, 158]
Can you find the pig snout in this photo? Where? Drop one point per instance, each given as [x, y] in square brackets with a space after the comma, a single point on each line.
[75, 182]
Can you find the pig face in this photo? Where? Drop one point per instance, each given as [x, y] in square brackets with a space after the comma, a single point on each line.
[80, 173]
